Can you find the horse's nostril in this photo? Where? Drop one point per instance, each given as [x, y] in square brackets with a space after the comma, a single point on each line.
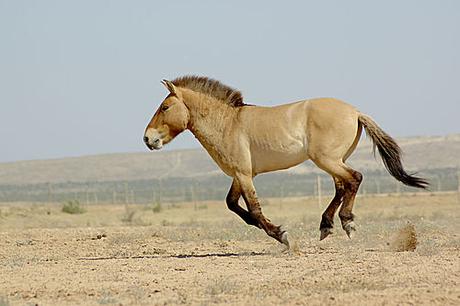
[156, 141]
[146, 139]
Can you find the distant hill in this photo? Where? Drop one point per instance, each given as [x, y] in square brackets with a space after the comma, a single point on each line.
[433, 152]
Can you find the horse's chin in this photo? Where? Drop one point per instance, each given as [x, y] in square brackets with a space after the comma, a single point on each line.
[155, 147]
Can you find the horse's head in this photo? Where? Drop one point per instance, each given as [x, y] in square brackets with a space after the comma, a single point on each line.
[170, 119]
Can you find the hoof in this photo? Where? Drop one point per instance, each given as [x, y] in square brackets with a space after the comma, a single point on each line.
[285, 240]
[325, 232]
[350, 229]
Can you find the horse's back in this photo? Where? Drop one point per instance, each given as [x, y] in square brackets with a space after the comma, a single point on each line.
[276, 135]
[283, 136]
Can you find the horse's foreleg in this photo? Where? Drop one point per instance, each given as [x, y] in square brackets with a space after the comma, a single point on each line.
[327, 220]
[232, 203]
[249, 195]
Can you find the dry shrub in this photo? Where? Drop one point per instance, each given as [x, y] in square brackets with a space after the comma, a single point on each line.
[404, 240]
[157, 208]
[128, 215]
[221, 286]
[72, 207]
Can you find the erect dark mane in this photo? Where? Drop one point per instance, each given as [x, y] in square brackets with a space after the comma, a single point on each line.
[212, 88]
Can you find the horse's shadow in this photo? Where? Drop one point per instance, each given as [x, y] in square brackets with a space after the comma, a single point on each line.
[179, 256]
[226, 254]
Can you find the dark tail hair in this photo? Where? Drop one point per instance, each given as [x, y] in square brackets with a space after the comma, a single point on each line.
[390, 153]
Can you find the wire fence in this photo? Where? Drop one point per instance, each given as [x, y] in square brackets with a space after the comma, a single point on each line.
[174, 190]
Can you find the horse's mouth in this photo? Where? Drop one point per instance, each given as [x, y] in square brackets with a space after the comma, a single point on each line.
[154, 147]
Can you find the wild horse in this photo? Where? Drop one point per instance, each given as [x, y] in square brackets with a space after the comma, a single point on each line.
[246, 140]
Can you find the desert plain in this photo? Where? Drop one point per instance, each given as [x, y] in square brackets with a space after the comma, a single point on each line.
[406, 252]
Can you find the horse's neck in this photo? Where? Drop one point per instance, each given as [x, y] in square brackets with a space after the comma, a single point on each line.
[209, 120]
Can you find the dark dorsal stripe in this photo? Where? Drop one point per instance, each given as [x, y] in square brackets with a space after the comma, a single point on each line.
[211, 87]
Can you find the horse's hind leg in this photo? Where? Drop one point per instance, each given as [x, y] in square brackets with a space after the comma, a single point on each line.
[249, 195]
[345, 213]
[232, 203]
[327, 219]
[350, 181]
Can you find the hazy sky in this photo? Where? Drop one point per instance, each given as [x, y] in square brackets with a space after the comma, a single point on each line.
[83, 77]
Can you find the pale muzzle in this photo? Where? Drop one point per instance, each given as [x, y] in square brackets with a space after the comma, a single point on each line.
[153, 140]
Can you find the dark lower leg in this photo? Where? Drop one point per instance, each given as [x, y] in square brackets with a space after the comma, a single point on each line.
[256, 213]
[254, 209]
[327, 220]
[232, 203]
[345, 213]
[328, 215]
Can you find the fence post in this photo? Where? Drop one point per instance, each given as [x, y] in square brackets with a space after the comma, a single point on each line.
[50, 193]
[280, 199]
[193, 197]
[160, 186]
[458, 188]
[133, 197]
[87, 194]
[318, 185]
[438, 181]
[126, 193]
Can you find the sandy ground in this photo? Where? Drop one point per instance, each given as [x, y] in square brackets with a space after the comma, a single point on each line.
[202, 254]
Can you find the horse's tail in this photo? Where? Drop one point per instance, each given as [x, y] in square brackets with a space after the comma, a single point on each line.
[390, 153]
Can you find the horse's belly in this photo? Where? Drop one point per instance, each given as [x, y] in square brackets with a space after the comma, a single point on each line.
[272, 159]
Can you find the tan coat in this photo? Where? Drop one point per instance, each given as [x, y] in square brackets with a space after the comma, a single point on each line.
[246, 140]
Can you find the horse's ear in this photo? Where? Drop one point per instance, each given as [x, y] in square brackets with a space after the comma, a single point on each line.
[169, 86]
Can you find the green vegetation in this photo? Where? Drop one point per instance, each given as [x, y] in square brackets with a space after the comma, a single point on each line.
[157, 208]
[72, 207]
[201, 207]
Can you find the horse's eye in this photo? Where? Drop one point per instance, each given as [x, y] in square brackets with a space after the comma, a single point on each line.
[164, 108]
